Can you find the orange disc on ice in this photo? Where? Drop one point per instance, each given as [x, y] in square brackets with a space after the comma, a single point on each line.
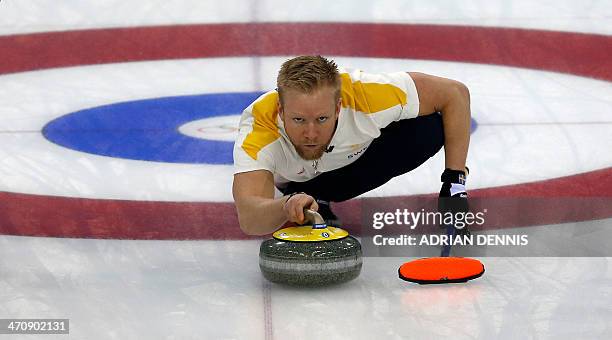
[441, 270]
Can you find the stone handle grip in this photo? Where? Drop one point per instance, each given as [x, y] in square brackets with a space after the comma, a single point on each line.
[313, 217]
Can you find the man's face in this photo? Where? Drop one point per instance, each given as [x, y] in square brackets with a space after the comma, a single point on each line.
[310, 120]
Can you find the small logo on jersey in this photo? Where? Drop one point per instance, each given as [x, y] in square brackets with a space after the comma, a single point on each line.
[357, 153]
[301, 171]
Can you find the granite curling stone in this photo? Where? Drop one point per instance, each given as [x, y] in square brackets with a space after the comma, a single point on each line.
[312, 255]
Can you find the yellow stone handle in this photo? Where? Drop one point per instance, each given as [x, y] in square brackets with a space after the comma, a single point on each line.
[314, 217]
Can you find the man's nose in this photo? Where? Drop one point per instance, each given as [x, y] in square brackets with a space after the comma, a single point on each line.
[311, 131]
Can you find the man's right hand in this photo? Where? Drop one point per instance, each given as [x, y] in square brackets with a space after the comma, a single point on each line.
[296, 203]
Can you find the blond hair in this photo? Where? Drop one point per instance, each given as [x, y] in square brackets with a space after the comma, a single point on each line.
[306, 74]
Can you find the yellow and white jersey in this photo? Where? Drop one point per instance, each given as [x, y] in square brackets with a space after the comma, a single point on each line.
[370, 102]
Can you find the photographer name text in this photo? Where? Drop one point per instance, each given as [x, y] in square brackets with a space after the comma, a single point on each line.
[448, 240]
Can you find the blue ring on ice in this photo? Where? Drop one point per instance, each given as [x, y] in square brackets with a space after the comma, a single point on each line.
[148, 129]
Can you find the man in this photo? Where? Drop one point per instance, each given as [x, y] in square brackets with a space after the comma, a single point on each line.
[328, 135]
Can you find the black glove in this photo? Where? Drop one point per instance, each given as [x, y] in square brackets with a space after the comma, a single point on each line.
[453, 183]
[453, 198]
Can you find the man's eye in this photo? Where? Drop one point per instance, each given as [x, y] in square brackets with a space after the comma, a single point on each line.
[298, 120]
[322, 119]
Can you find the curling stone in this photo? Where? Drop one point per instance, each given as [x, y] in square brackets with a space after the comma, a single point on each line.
[311, 255]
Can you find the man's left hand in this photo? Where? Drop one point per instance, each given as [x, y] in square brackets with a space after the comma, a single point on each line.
[453, 196]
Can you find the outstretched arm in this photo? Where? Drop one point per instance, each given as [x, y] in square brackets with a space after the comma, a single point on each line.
[259, 213]
[452, 99]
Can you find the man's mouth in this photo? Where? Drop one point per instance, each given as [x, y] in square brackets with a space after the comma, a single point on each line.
[310, 151]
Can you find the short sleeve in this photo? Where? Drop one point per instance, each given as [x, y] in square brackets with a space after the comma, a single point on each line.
[381, 97]
[257, 133]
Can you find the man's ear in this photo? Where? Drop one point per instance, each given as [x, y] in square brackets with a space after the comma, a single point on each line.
[280, 109]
